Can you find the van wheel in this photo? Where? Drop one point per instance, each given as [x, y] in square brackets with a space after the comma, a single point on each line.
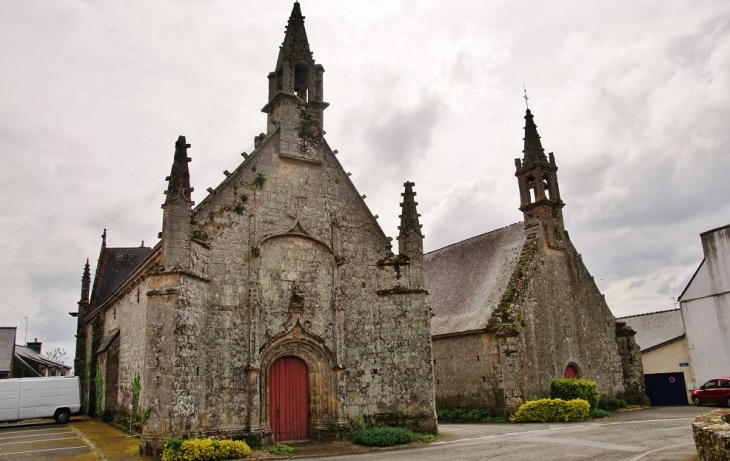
[697, 401]
[62, 416]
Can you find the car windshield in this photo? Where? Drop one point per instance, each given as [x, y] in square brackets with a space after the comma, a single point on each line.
[709, 384]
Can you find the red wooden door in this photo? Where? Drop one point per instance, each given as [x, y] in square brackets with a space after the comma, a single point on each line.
[570, 372]
[289, 399]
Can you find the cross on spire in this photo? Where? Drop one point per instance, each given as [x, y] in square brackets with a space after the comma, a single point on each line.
[525, 96]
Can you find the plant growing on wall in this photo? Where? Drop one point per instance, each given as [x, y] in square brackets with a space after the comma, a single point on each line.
[260, 180]
[136, 386]
[99, 382]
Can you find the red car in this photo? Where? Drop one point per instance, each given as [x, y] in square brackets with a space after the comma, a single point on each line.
[713, 391]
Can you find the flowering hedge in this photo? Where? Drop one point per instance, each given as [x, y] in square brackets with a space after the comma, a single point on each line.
[204, 450]
[551, 410]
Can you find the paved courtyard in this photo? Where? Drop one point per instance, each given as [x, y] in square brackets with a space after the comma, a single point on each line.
[648, 435]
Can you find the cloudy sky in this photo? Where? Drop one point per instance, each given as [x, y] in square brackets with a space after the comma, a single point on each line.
[633, 98]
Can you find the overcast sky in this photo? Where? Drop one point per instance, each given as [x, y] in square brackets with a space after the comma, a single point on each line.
[633, 98]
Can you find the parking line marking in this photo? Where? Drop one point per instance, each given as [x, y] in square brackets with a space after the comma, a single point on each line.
[47, 449]
[35, 441]
[21, 431]
[32, 435]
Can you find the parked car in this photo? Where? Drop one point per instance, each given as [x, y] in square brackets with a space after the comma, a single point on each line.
[716, 390]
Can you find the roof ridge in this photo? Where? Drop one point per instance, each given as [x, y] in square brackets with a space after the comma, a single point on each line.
[649, 313]
[128, 248]
[472, 238]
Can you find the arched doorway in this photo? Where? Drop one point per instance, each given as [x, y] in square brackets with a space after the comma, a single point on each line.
[571, 371]
[289, 399]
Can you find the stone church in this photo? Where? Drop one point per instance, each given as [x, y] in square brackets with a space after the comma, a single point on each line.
[516, 307]
[274, 307]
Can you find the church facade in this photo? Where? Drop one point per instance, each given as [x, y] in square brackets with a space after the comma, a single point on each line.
[275, 307]
[516, 307]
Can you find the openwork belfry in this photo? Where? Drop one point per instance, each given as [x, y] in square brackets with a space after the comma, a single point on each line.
[275, 307]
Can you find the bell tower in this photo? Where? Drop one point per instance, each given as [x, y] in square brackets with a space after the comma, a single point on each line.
[537, 177]
[296, 95]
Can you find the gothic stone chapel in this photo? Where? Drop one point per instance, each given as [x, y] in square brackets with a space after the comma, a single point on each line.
[274, 307]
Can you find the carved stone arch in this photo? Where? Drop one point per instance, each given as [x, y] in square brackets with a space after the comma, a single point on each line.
[297, 230]
[325, 406]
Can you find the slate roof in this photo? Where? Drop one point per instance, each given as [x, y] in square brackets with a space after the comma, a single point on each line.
[466, 280]
[28, 355]
[7, 344]
[115, 265]
[655, 328]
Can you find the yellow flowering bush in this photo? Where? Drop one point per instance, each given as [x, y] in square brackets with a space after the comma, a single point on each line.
[204, 450]
[550, 410]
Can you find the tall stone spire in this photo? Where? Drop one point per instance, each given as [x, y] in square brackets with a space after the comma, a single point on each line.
[177, 213]
[533, 151]
[537, 178]
[296, 93]
[410, 237]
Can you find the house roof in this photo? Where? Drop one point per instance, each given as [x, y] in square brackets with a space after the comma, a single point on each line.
[26, 354]
[655, 328]
[7, 343]
[466, 280]
[115, 264]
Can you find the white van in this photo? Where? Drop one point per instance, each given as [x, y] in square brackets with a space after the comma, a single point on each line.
[31, 398]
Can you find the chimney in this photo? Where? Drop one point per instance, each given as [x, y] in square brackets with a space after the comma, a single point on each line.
[35, 345]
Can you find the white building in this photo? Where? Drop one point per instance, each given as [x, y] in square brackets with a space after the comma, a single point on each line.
[705, 304]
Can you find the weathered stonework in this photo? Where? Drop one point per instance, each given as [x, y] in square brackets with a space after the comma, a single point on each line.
[711, 433]
[282, 259]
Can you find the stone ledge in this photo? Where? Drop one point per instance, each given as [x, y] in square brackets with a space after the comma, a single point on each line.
[712, 435]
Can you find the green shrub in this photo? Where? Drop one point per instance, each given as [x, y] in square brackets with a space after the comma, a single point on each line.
[204, 450]
[383, 436]
[551, 410]
[473, 415]
[252, 440]
[279, 449]
[572, 388]
[597, 413]
[610, 403]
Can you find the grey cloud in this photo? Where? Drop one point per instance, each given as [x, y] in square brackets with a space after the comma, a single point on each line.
[637, 284]
[400, 138]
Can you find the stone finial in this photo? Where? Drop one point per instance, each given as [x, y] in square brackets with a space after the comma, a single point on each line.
[179, 182]
[409, 218]
[85, 284]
